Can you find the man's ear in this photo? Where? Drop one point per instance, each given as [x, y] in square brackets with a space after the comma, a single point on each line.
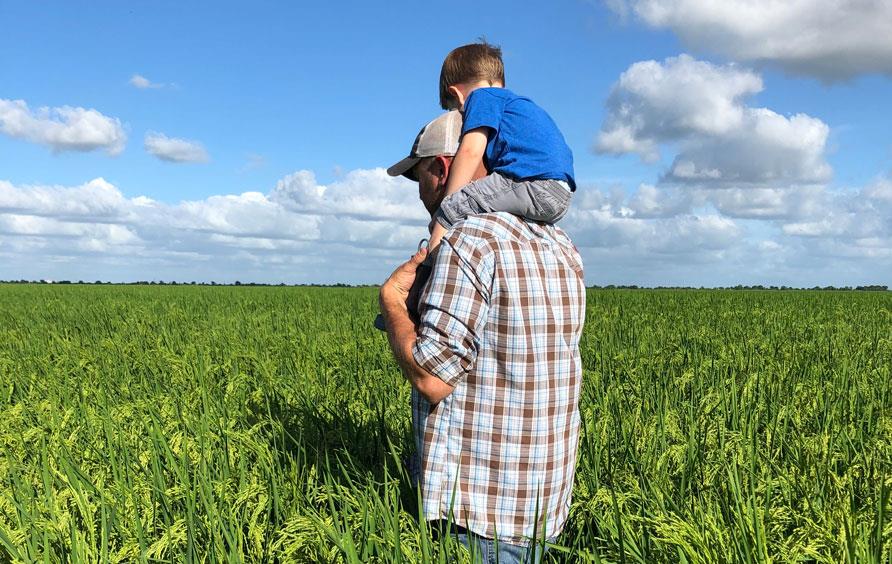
[442, 168]
[457, 94]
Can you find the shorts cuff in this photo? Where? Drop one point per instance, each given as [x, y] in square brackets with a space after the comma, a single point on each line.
[443, 219]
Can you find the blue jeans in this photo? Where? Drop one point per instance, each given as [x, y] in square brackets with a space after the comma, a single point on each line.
[485, 551]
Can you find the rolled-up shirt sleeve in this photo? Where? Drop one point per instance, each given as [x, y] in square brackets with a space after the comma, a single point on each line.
[453, 309]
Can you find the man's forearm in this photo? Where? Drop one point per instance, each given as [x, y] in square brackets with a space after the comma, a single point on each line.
[401, 333]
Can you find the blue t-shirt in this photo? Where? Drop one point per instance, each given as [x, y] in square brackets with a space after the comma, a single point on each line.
[523, 141]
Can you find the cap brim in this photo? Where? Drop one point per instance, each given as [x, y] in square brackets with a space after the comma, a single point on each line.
[402, 167]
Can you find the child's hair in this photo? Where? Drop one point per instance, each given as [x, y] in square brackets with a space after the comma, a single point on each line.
[470, 63]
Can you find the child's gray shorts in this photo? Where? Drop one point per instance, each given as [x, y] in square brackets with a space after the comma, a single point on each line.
[538, 200]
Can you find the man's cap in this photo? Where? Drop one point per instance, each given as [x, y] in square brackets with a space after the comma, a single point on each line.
[439, 137]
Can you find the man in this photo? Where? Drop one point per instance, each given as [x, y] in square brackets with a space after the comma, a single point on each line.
[494, 365]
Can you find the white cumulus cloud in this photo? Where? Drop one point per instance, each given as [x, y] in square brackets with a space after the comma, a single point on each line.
[65, 128]
[664, 201]
[648, 221]
[96, 200]
[852, 217]
[655, 102]
[363, 194]
[359, 227]
[766, 203]
[355, 229]
[688, 235]
[767, 148]
[700, 109]
[143, 83]
[175, 150]
[828, 39]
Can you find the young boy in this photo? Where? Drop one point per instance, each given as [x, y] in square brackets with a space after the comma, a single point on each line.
[530, 165]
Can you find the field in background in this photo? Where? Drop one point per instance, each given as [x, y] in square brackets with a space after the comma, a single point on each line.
[268, 424]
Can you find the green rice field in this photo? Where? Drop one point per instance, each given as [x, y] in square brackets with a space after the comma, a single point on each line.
[268, 424]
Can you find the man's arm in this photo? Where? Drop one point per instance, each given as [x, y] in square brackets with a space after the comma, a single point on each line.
[401, 330]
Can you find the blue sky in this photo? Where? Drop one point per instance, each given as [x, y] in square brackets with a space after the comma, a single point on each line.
[290, 110]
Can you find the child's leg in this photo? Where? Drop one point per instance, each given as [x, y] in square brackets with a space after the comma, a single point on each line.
[437, 232]
[537, 200]
[550, 198]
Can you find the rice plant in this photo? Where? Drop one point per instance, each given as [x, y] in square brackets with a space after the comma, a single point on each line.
[142, 424]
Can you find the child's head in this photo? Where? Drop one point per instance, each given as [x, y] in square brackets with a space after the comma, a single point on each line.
[469, 65]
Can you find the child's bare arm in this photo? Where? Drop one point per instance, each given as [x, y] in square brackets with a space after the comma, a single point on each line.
[465, 167]
[467, 160]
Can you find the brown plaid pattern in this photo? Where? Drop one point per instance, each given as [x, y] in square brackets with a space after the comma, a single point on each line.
[501, 320]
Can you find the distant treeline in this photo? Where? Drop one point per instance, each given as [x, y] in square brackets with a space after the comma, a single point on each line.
[174, 283]
[870, 288]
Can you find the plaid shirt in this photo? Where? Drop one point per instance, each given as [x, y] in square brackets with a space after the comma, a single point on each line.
[501, 320]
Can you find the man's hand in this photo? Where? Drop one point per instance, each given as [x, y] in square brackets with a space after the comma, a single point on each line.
[401, 330]
[396, 289]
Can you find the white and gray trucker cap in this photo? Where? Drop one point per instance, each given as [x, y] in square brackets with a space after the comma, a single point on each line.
[439, 137]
